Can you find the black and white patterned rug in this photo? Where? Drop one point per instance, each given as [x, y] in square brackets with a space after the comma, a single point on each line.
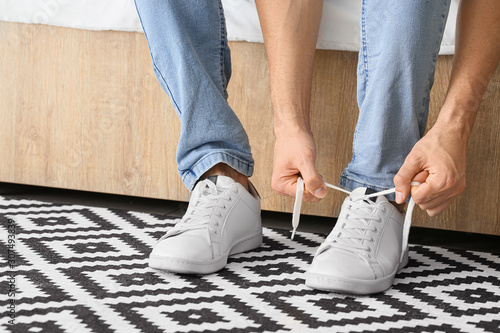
[83, 269]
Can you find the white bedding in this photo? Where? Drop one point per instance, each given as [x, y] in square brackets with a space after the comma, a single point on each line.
[339, 26]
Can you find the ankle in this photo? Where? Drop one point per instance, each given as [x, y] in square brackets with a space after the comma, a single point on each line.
[223, 169]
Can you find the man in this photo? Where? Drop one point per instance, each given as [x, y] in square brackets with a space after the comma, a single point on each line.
[400, 42]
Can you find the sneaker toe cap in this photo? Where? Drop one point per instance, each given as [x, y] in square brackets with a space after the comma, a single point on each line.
[185, 247]
[337, 263]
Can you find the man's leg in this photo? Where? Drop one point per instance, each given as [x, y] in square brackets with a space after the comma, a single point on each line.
[400, 43]
[191, 59]
[399, 46]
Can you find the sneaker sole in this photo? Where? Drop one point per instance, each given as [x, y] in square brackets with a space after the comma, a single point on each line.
[353, 286]
[183, 266]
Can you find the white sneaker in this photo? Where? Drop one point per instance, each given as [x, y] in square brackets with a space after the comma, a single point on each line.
[362, 254]
[222, 219]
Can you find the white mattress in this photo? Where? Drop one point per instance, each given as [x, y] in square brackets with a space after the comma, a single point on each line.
[339, 26]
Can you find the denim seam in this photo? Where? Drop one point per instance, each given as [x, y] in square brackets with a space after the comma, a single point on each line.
[222, 51]
[433, 61]
[167, 86]
[364, 44]
[364, 50]
[154, 63]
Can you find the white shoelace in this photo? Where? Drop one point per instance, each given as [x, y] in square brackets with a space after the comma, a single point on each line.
[407, 222]
[200, 211]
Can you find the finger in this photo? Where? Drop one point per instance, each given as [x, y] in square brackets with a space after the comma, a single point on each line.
[434, 192]
[291, 186]
[414, 188]
[426, 193]
[421, 193]
[440, 208]
[421, 177]
[403, 178]
[287, 186]
[437, 201]
[314, 183]
[310, 198]
[283, 192]
[437, 204]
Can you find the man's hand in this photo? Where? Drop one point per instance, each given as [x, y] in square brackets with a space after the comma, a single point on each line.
[294, 154]
[438, 159]
[438, 162]
[290, 29]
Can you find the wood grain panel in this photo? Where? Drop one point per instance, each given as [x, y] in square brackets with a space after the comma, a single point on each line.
[477, 209]
[82, 110]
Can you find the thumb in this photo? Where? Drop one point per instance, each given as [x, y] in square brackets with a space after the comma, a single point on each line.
[314, 183]
[408, 172]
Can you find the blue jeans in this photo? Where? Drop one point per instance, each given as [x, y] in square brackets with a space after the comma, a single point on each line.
[192, 62]
[191, 59]
[400, 42]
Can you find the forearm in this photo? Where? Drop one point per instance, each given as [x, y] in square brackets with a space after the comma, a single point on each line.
[290, 29]
[476, 57]
[438, 160]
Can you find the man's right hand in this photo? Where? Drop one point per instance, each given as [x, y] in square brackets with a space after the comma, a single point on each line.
[290, 29]
[294, 155]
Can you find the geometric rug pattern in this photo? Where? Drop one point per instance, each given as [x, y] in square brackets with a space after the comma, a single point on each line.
[84, 269]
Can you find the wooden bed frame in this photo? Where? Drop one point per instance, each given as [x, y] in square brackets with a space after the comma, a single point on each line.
[82, 110]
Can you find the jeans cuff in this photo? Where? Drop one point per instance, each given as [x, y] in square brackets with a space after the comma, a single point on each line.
[347, 182]
[190, 177]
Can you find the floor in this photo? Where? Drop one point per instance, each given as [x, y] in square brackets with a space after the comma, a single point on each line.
[80, 268]
[421, 236]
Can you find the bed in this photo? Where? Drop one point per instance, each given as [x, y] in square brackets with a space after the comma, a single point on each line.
[339, 27]
[81, 109]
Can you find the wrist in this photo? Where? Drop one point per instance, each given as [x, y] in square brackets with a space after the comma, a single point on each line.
[459, 116]
[289, 120]
[287, 129]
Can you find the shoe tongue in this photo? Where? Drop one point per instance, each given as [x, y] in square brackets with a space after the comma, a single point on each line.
[221, 182]
[213, 179]
[362, 191]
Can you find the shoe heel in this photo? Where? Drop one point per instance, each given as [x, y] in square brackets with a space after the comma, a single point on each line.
[247, 244]
[405, 260]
